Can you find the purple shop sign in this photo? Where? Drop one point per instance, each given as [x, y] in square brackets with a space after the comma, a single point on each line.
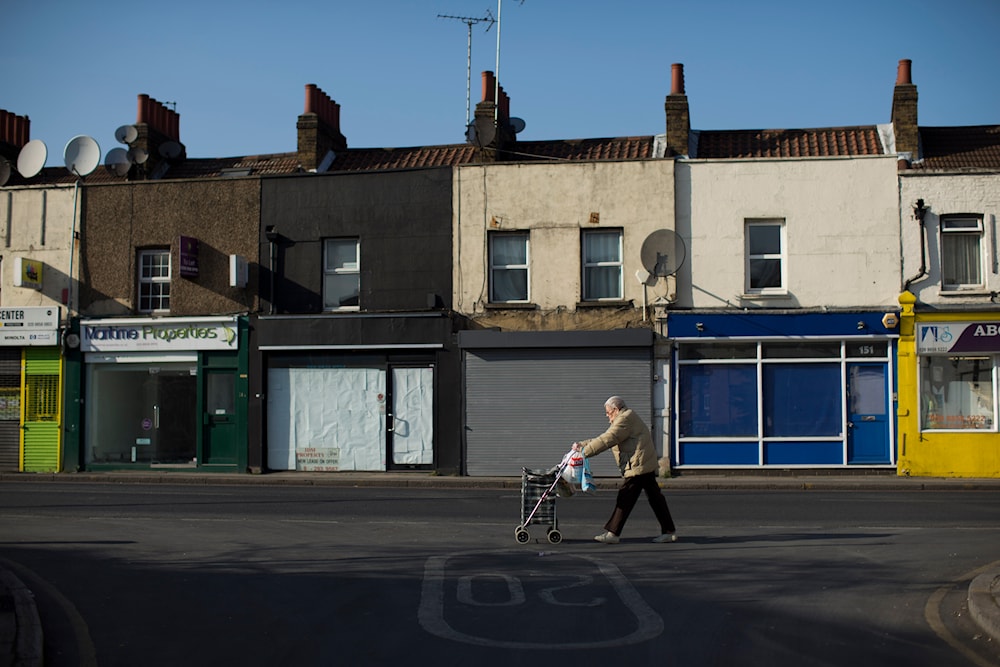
[189, 257]
[958, 337]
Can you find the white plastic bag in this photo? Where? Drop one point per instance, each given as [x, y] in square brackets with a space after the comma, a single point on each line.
[576, 470]
[573, 466]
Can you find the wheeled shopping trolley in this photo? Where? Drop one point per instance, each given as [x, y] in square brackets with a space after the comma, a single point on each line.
[538, 503]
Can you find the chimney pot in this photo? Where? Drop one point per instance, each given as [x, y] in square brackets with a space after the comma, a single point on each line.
[143, 110]
[903, 74]
[310, 98]
[677, 79]
[489, 87]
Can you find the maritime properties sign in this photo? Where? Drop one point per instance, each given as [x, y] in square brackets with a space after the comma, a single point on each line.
[160, 334]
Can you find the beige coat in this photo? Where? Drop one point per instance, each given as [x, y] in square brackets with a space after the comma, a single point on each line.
[629, 439]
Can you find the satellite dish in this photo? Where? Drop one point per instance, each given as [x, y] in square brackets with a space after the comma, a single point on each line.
[82, 155]
[663, 252]
[126, 134]
[517, 124]
[170, 150]
[137, 155]
[117, 161]
[4, 171]
[32, 158]
[485, 131]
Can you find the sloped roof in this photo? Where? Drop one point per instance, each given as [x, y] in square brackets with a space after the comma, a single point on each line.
[613, 148]
[958, 148]
[945, 148]
[817, 142]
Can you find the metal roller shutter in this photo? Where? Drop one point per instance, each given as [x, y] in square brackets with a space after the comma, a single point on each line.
[525, 407]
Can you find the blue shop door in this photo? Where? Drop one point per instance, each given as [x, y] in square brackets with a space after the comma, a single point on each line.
[868, 414]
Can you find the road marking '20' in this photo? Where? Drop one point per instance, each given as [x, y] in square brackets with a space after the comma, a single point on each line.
[519, 600]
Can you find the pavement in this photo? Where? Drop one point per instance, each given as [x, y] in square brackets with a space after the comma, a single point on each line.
[21, 637]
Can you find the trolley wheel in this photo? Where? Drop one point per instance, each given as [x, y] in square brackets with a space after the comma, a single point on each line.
[521, 535]
[555, 537]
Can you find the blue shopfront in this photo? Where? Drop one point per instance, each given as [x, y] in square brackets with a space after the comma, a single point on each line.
[783, 390]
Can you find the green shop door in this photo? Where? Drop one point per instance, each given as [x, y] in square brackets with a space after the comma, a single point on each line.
[42, 409]
[219, 435]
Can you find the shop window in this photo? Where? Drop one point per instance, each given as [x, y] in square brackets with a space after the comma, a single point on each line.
[718, 351]
[508, 267]
[961, 253]
[602, 265]
[802, 400]
[341, 274]
[718, 400]
[765, 257]
[801, 350]
[154, 281]
[143, 413]
[957, 393]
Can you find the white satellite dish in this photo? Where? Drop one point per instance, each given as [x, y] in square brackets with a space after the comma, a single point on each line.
[137, 155]
[4, 171]
[517, 124]
[126, 134]
[662, 253]
[170, 149]
[32, 157]
[82, 155]
[117, 161]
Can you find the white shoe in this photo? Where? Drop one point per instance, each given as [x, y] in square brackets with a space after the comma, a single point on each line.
[665, 537]
[608, 538]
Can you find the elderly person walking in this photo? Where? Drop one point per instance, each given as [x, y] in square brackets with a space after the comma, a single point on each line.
[630, 441]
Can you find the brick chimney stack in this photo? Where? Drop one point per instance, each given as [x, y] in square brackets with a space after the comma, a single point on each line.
[678, 114]
[904, 112]
[156, 125]
[492, 120]
[318, 129]
[15, 132]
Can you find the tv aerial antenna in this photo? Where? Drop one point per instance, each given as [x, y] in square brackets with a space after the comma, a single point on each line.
[469, 22]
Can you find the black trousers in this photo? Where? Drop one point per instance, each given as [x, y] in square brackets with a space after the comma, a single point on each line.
[628, 494]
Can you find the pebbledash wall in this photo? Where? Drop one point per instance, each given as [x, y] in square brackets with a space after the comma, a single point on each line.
[166, 392]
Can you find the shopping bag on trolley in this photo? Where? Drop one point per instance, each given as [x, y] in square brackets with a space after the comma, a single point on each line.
[576, 470]
[572, 466]
[586, 479]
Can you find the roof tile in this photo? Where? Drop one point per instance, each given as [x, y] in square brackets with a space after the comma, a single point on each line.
[817, 142]
[968, 147]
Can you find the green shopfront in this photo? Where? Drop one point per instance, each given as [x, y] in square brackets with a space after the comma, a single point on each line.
[166, 393]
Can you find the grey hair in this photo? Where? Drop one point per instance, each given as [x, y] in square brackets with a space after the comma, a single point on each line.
[615, 402]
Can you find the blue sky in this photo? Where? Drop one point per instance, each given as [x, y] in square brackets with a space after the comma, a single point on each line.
[573, 68]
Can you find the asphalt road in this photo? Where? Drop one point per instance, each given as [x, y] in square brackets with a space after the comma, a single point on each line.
[151, 575]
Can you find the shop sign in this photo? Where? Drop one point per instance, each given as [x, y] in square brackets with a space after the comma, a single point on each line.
[36, 325]
[189, 256]
[159, 335]
[27, 273]
[317, 459]
[958, 337]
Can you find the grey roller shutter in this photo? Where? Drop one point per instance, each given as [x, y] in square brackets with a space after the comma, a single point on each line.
[525, 407]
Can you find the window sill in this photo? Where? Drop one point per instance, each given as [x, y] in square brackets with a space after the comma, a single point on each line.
[604, 304]
[976, 291]
[766, 295]
[511, 306]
